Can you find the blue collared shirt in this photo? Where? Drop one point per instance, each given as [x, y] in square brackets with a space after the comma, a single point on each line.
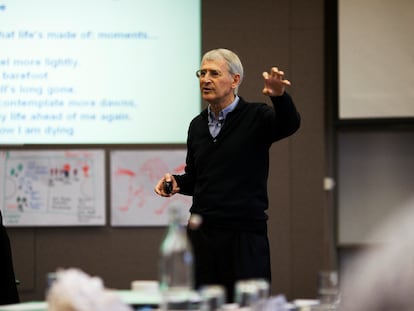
[214, 124]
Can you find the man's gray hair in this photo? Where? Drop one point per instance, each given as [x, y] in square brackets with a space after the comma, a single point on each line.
[233, 62]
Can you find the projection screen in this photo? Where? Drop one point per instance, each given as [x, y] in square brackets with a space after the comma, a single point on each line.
[98, 71]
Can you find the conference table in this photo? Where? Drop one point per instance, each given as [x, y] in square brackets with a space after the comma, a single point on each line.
[135, 299]
[144, 301]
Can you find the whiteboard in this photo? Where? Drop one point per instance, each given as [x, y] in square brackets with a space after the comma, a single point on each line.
[52, 188]
[134, 175]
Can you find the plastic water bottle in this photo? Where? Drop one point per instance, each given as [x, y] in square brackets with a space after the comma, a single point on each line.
[176, 266]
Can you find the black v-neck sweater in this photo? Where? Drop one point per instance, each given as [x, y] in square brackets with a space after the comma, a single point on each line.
[227, 175]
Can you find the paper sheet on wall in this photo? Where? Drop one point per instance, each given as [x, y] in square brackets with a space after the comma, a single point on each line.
[134, 175]
[52, 187]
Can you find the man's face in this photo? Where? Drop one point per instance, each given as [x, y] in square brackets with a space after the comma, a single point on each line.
[216, 83]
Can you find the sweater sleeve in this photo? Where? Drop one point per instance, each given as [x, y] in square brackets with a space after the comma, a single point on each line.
[286, 119]
[186, 181]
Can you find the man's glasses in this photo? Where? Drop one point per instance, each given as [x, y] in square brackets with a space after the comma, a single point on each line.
[202, 73]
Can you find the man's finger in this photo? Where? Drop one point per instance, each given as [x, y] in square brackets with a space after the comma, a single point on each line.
[286, 82]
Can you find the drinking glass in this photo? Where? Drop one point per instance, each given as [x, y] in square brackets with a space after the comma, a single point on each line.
[212, 297]
[246, 293]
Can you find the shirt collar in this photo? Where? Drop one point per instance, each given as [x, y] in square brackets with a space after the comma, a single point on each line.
[223, 113]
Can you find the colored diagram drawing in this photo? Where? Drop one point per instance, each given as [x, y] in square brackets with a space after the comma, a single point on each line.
[48, 188]
[134, 175]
